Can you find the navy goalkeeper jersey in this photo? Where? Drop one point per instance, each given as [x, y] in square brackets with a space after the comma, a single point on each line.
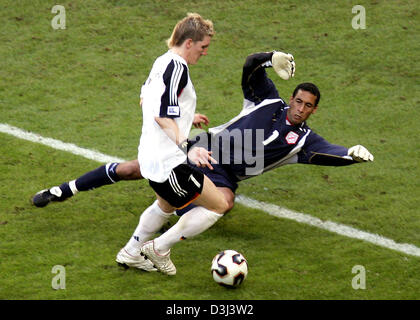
[261, 138]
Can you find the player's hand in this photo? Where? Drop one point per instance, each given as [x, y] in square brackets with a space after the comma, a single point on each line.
[360, 153]
[283, 64]
[201, 157]
[200, 119]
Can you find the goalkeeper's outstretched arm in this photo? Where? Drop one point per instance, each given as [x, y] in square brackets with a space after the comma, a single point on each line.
[256, 85]
[319, 151]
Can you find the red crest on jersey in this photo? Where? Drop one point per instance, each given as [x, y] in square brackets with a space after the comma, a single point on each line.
[292, 137]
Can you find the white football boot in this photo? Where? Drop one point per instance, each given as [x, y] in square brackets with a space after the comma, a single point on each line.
[162, 262]
[127, 260]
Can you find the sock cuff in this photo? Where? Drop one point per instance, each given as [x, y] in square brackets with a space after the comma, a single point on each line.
[72, 185]
[111, 171]
[157, 210]
[213, 215]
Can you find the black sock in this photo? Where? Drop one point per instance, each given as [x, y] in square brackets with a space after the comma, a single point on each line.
[99, 177]
[65, 188]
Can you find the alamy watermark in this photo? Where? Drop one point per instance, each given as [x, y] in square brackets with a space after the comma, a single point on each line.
[359, 20]
[59, 280]
[235, 147]
[59, 21]
[359, 280]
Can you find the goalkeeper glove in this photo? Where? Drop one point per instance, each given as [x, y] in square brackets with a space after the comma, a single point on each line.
[360, 154]
[283, 64]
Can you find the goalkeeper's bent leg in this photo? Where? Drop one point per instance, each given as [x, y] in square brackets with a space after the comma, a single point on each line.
[104, 175]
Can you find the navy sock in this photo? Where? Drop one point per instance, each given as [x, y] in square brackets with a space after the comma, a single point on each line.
[99, 177]
[65, 188]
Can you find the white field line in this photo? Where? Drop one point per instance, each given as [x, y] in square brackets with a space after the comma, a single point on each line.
[57, 144]
[269, 208]
[328, 225]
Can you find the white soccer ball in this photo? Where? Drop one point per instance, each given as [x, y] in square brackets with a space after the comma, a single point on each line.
[229, 268]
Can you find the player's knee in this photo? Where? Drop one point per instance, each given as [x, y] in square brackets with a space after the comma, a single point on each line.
[222, 206]
[230, 204]
[225, 203]
[226, 206]
[229, 197]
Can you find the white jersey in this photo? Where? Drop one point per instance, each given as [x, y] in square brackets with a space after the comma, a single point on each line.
[168, 93]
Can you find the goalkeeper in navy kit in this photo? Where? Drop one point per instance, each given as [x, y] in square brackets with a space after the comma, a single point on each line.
[285, 136]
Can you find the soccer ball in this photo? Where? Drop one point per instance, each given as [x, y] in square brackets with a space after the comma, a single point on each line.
[229, 268]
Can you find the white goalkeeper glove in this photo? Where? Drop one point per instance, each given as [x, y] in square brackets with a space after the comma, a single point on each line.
[283, 64]
[360, 154]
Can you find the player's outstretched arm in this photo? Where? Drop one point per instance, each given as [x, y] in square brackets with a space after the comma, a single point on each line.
[319, 151]
[256, 85]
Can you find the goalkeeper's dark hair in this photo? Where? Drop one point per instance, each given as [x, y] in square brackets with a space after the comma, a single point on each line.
[310, 87]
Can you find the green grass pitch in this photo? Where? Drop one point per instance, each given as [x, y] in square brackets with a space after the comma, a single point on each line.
[81, 85]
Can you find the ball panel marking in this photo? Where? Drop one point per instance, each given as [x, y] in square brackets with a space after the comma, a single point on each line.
[229, 268]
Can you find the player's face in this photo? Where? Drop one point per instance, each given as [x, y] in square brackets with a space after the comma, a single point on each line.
[301, 107]
[198, 49]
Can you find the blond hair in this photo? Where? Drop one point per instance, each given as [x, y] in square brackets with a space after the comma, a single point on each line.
[193, 26]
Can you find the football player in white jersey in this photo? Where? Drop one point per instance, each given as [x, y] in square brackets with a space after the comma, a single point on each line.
[168, 104]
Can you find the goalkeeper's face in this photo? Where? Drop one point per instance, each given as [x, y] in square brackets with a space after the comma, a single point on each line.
[302, 105]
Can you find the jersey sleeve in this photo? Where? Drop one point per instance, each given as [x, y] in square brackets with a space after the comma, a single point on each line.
[256, 85]
[319, 151]
[175, 78]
